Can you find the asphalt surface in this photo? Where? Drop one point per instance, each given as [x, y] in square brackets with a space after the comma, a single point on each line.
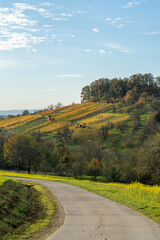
[92, 217]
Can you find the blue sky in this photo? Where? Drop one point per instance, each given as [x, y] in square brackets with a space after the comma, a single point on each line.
[50, 50]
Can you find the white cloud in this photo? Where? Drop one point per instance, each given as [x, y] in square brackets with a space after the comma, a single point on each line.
[95, 30]
[153, 33]
[102, 51]
[47, 4]
[19, 40]
[19, 27]
[24, 6]
[54, 36]
[70, 75]
[108, 19]
[88, 50]
[59, 19]
[118, 22]
[17, 30]
[47, 26]
[15, 18]
[131, 4]
[118, 47]
[120, 25]
[114, 20]
[66, 15]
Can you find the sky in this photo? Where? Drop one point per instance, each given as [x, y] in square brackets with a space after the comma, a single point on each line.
[50, 50]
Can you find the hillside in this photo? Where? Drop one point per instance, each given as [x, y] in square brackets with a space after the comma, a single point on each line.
[116, 142]
[93, 115]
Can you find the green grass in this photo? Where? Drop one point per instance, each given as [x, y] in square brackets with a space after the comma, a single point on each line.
[145, 199]
[25, 209]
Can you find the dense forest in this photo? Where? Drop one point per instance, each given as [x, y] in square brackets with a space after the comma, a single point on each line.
[123, 150]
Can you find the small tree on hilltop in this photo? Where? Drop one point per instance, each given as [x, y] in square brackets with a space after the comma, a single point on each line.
[25, 112]
[58, 105]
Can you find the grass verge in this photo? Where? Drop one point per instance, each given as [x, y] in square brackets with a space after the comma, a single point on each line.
[142, 198]
[26, 210]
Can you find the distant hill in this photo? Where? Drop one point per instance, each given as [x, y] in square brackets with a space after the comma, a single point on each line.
[15, 112]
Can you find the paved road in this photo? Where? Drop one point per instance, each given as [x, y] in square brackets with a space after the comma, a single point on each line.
[92, 217]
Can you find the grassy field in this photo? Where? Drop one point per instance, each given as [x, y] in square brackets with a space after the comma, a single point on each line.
[26, 209]
[145, 199]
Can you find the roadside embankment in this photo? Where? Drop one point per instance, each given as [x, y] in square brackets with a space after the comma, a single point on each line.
[27, 210]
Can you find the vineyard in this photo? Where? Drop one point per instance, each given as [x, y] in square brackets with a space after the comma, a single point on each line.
[15, 122]
[93, 115]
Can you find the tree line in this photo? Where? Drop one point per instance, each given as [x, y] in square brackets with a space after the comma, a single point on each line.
[130, 89]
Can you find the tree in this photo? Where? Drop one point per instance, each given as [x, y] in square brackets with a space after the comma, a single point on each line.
[149, 161]
[158, 81]
[113, 90]
[94, 168]
[119, 166]
[91, 149]
[152, 125]
[78, 165]
[25, 112]
[122, 126]
[63, 158]
[155, 104]
[85, 94]
[58, 105]
[22, 152]
[128, 98]
[104, 131]
[64, 134]
[2, 141]
[51, 107]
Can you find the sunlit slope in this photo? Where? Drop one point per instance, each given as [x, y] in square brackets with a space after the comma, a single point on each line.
[15, 122]
[93, 115]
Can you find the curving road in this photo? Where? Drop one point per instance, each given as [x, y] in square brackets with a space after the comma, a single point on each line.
[92, 217]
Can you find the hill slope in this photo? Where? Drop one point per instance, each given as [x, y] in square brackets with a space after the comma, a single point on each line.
[93, 115]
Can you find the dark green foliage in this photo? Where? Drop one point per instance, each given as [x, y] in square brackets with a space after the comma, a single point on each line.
[149, 161]
[119, 166]
[22, 152]
[131, 89]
